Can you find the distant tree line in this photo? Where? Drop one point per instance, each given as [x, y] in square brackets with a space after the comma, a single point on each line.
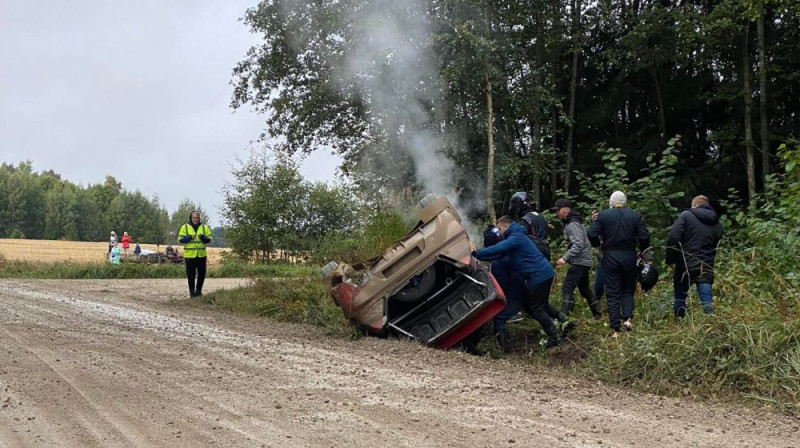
[45, 206]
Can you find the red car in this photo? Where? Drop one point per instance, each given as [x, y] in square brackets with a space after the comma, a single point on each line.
[426, 287]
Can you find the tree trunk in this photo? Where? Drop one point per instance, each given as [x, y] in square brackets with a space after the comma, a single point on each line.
[490, 138]
[762, 91]
[662, 121]
[748, 119]
[573, 86]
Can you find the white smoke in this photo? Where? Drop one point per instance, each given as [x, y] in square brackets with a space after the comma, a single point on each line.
[388, 63]
[391, 66]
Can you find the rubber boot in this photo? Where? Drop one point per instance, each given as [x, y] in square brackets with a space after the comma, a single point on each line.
[566, 325]
[553, 336]
[500, 337]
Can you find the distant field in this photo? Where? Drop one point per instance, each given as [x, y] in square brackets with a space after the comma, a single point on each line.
[48, 251]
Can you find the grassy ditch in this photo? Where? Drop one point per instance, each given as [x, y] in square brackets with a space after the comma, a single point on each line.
[749, 349]
[19, 269]
[298, 300]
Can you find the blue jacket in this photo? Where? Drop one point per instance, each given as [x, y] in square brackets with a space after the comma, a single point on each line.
[526, 260]
[512, 283]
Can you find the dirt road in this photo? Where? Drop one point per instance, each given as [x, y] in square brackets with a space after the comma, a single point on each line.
[127, 363]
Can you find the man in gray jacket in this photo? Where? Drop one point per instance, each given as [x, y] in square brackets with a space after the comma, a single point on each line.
[579, 257]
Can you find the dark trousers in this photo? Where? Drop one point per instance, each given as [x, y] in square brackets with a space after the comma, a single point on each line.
[195, 268]
[619, 270]
[538, 306]
[577, 276]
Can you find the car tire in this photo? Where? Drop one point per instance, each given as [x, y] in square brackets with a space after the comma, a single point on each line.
[425, 285]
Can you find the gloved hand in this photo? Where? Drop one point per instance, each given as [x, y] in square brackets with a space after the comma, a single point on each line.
[205, 239]
[185, 239]
[473, 254]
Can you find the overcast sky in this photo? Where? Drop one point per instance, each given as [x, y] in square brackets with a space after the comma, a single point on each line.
[135, 89]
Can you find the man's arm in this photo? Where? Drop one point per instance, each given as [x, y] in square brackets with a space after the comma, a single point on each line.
[674, 239]
[574, 232]
[595, 230]
[643, 235]
[501, 248]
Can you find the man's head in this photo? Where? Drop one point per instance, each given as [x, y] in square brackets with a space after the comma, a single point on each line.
[195, 217]
[521, 202]
[617, 199]
[561, 208]
[503, 223]
[699, 200]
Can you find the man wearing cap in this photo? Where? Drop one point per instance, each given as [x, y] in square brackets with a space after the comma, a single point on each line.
[619, 230]
[579, 257]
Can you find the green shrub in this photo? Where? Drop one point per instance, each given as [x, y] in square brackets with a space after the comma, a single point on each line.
[381, 231]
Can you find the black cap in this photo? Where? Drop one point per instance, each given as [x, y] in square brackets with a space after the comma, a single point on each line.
[561, 203]
[491, 236]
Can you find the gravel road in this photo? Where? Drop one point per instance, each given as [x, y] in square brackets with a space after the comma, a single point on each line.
[107, 363]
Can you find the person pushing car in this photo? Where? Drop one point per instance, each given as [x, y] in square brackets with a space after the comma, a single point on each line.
[527, 262]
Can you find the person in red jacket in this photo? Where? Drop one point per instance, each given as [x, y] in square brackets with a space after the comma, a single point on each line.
[126, 243]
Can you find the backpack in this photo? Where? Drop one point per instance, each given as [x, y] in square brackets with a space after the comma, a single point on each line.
[541, 243]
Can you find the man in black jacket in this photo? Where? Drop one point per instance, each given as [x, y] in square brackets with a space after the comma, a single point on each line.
[691, 249]
[523, 208]
[619, 230]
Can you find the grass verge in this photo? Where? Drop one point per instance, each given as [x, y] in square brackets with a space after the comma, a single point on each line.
[15, 269]
[298, 300]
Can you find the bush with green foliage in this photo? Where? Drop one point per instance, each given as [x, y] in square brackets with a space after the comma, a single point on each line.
[750, 346]
[380, 232]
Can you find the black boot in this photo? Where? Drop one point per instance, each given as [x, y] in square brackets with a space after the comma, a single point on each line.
[500, 337]
[192, 293]
[566, 325]
[553, 336]
[595, 307]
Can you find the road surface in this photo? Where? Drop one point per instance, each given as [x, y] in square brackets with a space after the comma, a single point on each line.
[113, 363]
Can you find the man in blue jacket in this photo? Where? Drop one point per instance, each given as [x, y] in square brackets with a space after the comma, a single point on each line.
[527, 262]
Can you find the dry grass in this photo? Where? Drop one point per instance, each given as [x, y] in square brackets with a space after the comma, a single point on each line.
[48, 251]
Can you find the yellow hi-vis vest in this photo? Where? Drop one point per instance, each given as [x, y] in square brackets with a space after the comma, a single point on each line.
[195, 248]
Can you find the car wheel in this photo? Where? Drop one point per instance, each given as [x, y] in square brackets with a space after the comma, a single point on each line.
[418, 287]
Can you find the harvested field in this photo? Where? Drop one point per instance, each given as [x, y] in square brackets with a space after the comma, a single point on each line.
[49, 251]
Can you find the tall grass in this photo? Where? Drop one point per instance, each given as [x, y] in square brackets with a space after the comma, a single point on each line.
[299, 300]
[15, 269]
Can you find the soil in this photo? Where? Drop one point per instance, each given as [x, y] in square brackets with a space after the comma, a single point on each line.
[132, 363]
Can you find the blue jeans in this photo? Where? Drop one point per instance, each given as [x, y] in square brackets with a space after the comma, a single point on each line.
[681, 285]
[599, 283]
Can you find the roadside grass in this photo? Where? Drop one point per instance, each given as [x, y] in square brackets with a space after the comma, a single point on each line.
[749, 349]
[230, 269]
[298, 300]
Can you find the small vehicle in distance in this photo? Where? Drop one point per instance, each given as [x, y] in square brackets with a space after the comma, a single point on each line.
[426, 287]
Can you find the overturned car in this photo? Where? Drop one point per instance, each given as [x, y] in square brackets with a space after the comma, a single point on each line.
[427, 286]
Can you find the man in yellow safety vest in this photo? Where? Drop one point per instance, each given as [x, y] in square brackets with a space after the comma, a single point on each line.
[194, 236]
